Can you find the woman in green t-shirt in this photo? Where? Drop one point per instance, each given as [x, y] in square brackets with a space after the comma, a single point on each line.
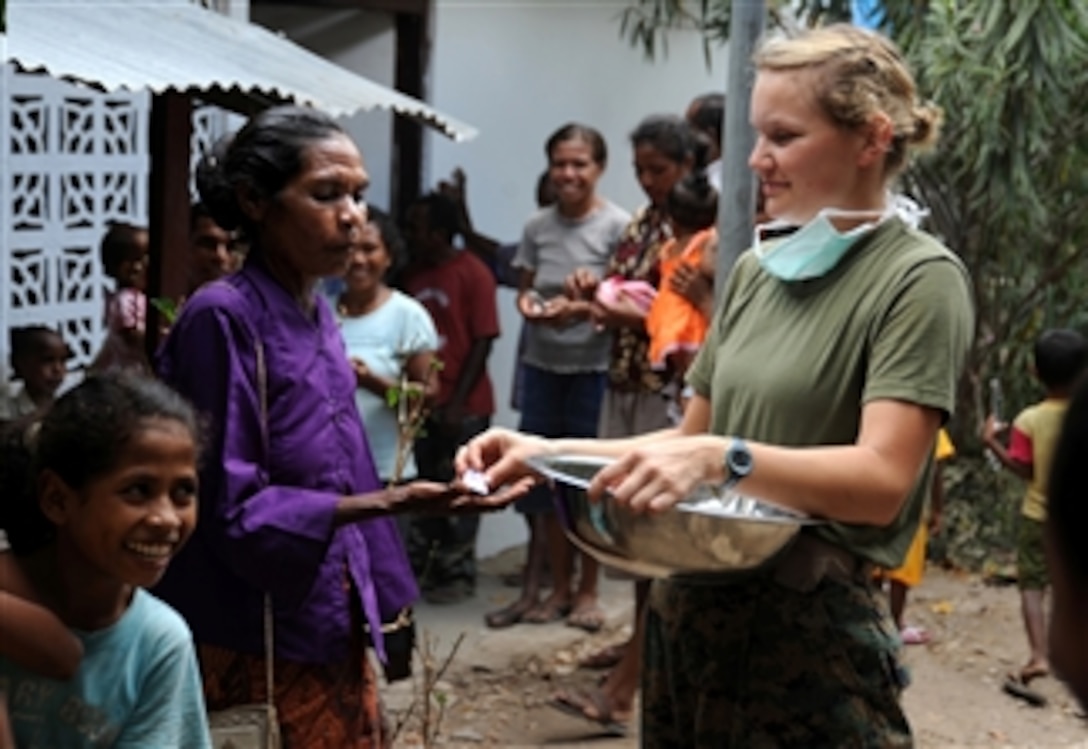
[831, 363]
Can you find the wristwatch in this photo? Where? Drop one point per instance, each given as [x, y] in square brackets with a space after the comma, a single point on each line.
[737, 463]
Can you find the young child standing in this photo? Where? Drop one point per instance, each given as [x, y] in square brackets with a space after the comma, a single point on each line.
[107, 498]
[909, 575]
[39, 358]
[123, 253]
[1060, 356]
[677, 327]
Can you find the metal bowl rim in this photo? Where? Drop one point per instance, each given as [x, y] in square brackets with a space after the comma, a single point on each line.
[543, 464]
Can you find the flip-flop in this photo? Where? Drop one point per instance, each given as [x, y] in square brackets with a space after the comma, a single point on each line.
[544, 614]
[505, 617]
[913, 636]
[576, 703]
[1017, 687]
[589, 618]
[1028, 675]
[606, 657]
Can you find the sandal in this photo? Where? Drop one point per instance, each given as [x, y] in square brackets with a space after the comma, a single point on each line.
[588, 617]
[606, 657]
[1016, 686]
[1030, 673]
[591, 706]
[913, 636]
[545, 613]
[507, 616]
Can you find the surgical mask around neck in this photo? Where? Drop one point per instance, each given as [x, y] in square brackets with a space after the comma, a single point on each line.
[817, 247]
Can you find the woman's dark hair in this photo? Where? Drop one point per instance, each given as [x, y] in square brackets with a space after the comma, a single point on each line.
[1067, 510]
[672, 137]
[119, 244]
[598, 149]
[693, 202]
[391, 238]
[263, 156]
[82, 437]
[1060, 356]
[29, 340]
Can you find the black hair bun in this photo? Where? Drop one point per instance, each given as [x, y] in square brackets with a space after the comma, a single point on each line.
[216, 191]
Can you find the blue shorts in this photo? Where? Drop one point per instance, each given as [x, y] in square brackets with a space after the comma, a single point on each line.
[557, 404]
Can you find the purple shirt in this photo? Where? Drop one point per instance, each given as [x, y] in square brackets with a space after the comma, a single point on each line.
[266, 525]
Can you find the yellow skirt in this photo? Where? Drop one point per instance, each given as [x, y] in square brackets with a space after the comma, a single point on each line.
[910, 573]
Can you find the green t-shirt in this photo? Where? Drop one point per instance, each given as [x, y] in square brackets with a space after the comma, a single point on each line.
[793, 363]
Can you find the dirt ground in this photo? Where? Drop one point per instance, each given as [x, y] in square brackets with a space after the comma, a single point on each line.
[955, 699]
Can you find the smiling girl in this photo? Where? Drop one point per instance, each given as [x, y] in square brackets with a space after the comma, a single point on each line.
[109, 498]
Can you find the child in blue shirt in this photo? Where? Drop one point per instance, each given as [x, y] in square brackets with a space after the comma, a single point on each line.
[98, 498]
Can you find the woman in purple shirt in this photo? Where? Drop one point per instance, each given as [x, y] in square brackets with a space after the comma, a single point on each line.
[291, 505]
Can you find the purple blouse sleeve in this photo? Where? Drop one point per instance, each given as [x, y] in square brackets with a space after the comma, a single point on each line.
[257, 528]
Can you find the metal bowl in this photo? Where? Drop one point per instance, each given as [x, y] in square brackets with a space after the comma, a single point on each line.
[706, 533]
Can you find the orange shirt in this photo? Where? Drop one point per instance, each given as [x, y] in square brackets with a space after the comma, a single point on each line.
[674, 323]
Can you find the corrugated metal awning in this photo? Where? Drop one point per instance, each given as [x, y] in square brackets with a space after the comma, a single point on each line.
[166, 45]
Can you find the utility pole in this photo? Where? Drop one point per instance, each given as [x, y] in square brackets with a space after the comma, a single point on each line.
[737, 202]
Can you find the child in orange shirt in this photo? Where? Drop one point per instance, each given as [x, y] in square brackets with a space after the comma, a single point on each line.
[677, 327]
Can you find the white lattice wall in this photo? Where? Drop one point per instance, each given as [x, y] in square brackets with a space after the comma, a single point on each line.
[73, 159]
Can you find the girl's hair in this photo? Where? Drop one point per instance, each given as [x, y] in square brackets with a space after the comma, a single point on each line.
[120, 243]
[81, 438]
[856, 73]
[29, 340]
[708, 114]
[588, 135]
[391, 238]
[1067, 512]
[693, 202]
[672, 137]
[545, 190]
[262, 157]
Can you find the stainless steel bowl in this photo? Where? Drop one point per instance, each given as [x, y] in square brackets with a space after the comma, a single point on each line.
[706, 533]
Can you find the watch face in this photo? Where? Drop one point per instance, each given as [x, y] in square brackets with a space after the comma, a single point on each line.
[740, 460]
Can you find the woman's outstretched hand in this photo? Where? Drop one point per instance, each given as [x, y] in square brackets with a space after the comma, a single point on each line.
[456, 496]
[653, 479]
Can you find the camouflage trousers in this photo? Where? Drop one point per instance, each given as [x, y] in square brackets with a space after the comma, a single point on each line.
[755, 664]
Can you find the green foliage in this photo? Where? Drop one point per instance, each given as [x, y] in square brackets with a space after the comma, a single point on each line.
[167, 307]
[978, 528]
[1007, 185]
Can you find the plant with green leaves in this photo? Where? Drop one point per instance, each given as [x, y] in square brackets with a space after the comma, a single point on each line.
[166, 307]
[407, 399]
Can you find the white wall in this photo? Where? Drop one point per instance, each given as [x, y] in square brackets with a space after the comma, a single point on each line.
[363, 42]
[518, 71]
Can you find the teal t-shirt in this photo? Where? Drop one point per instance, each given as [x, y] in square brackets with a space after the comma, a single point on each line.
[137, 687]
[385, 339]
[793, 363]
